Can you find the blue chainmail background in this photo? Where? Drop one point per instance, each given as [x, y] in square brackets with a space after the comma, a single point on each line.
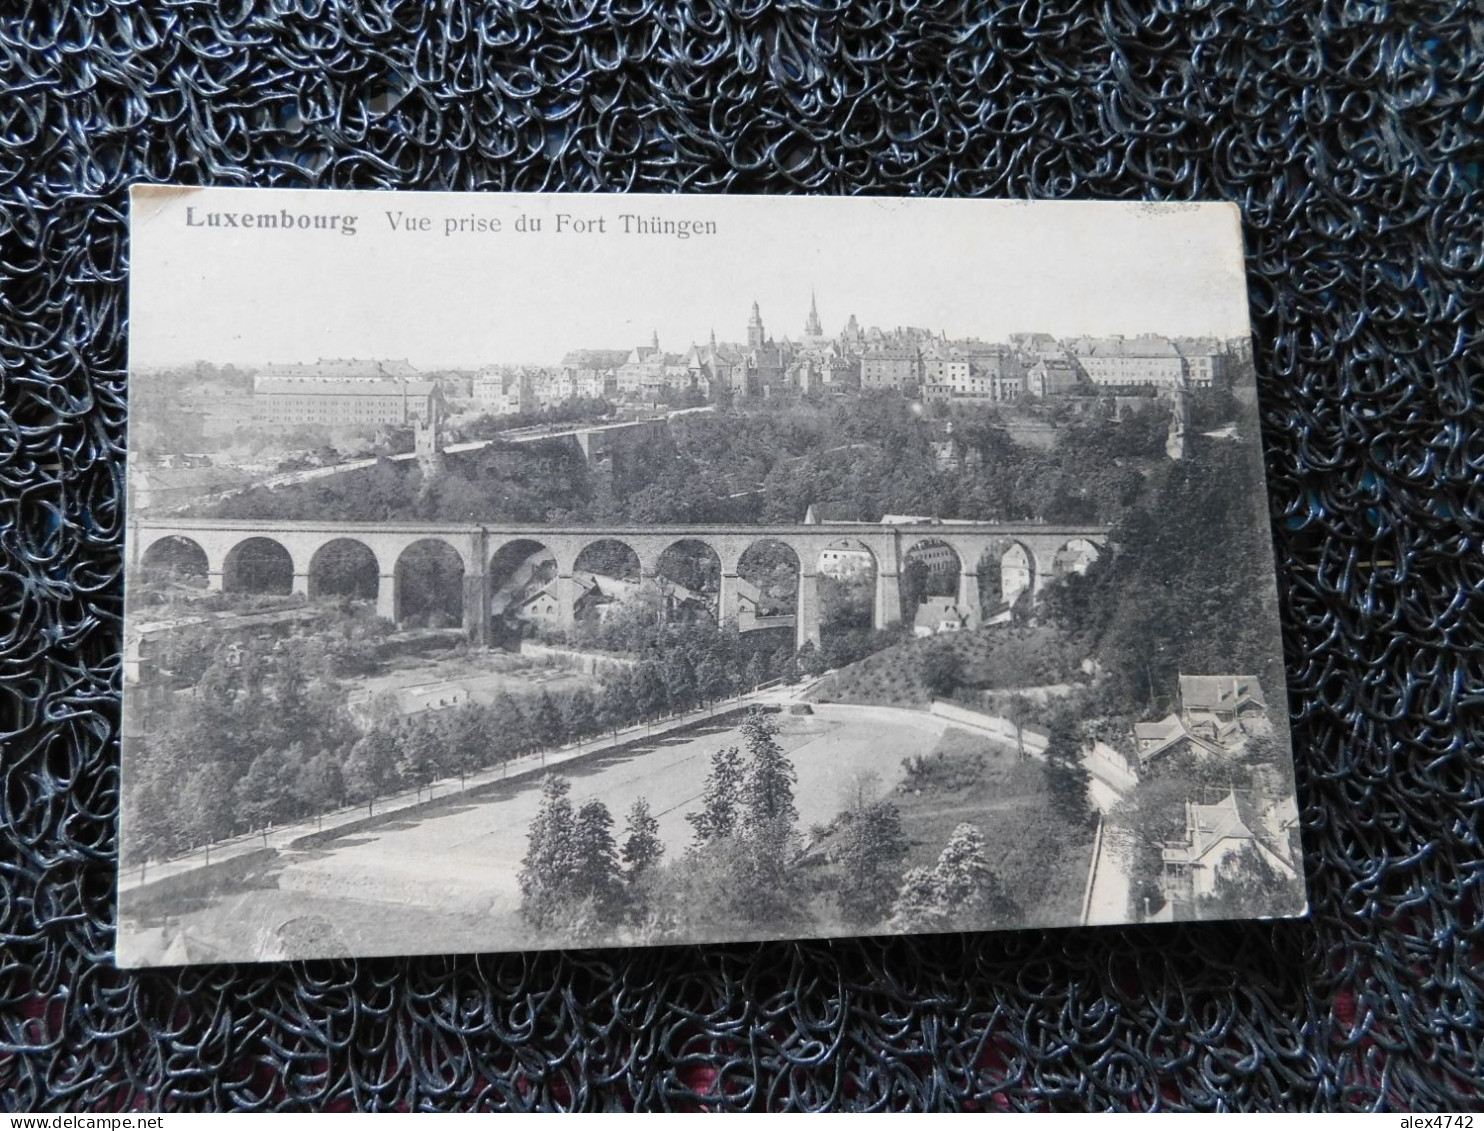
[1348, 132]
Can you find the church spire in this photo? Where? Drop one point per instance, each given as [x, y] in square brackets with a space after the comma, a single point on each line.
[811, 326]
[755, 337]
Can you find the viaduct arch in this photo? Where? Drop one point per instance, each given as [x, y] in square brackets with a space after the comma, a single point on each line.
[477, 545]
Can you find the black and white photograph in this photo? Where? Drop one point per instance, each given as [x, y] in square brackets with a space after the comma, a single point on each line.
[526, 571]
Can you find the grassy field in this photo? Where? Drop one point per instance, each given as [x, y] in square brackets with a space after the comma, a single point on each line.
[967, 778]
[999, 656]
[484, 676]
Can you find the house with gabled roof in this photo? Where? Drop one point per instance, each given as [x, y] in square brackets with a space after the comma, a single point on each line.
[1212, 833]
[938, 614]
[1169, 736]
[541, 606]
[1222, 707]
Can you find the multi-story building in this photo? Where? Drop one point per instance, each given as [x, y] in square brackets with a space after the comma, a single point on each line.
[1051, 377]
[642, 370]
[1129, 362]
[553, 386]
[1212, 834]
[1221, 706]
[844, 374]
[339, 369]
[594, 372]
[719, 370]
[489, 387]
[1036, 346]
[945, 363]
[506, 393]
[1207, 363]
[989, 375]
[344, 404]
[890, 367]
[937, 557]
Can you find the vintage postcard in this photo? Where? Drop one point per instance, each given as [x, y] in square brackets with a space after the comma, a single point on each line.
[509, 572]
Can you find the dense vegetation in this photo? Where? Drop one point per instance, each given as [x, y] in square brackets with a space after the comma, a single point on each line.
[749, 870]
[869, 456]
[1190, 587]
[912, 671]
[1153, 814]
[265, 736]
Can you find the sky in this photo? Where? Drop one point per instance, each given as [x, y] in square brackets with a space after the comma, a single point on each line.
[414, 283]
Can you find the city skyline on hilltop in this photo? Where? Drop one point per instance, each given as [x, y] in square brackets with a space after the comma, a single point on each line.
[970, 268]
[733, 340]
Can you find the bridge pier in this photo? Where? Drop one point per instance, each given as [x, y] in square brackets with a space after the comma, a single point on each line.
[1043, 571]
[1038, 542]
[806, 619]
[726, 599]
[968, 597]
[476, 609]
[566, 590]
[386, 597]
[888, 610]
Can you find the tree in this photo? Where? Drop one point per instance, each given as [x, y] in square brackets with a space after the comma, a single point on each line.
[649, 690]
[205, 801]
[596, 875]
[320, 784]
[616, 707]
[291, 686]
[784, 665]
[870, 852]
[763, 886]
[1019, 713]
[752, 674]
[550, 727]
[680, 680]
[1067, 778]
[918, 908]
[582, 714]
[960, 891]
[941, 668]
[551, 854]
[371, 769]
[711, 676]
[767, 790]
[913, 583]
[721, 797]
[962, 869]
[508, 727]
[463, 738]
[264, 794]
[1247, 886]
[642, 847]
[811, 660]
[420, 747]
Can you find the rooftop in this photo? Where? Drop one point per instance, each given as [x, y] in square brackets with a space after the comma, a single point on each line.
[1125, 347]
[595, 359]
[935, 610]
[344, 367]
[1219, 692]
[375, 388]
[1205, 827]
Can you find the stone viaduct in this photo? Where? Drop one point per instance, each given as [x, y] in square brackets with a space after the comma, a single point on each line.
[219, 541]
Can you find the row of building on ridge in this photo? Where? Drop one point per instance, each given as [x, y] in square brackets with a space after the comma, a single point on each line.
[909, 360]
